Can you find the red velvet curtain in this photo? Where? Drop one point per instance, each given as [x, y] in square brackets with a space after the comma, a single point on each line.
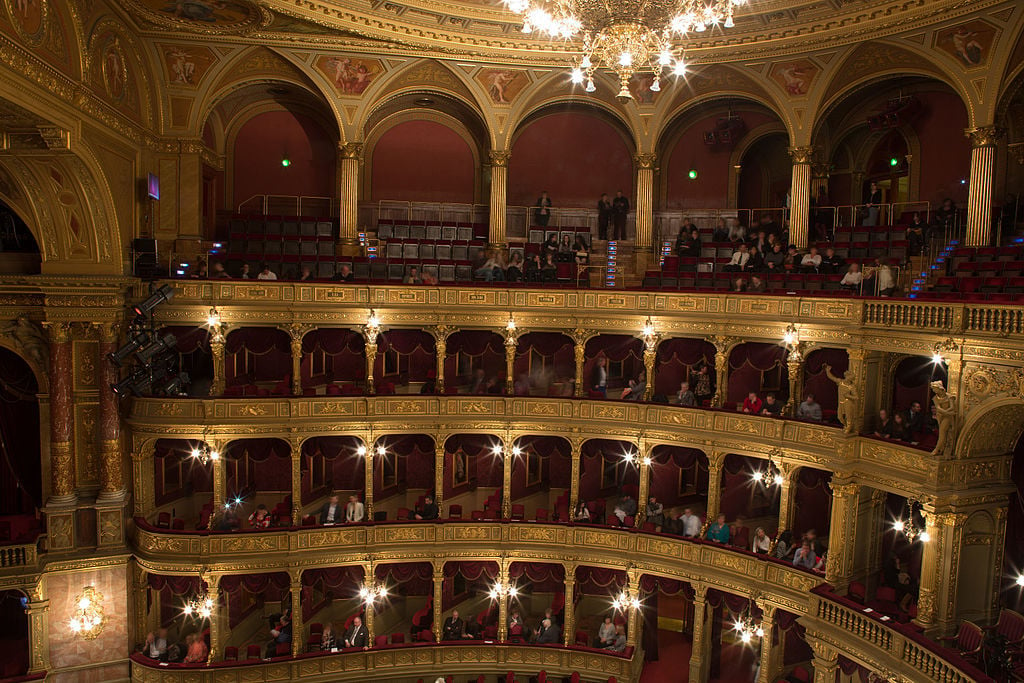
[538, 572]
[264, 465]
[417, 349]
[557, 454]
[486, 349]
[910, 383]
[674, 470]
[652, 583]
[20, 473]
[472, 570]
[344, 351]
[748, 364]
[741, 496]
[270, 585]
[334, 577]
[556, 350]
[677, 359]
[813, 502]
[599, 580]
[269, 352]
[177, 585]
[616, 348]
[817, 382]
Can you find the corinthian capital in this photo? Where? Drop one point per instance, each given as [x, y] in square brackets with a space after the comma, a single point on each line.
[801, 155]
[499, 157]
[646, 160]
[351, 150]
[985, 136]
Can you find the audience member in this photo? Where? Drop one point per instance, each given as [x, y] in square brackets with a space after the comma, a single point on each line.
[809, 409]
[344, 274]
[581, 250]
[914, 417]
[637, 387]
[945, 216]
[775, 259]
[454, 628]
[605, 634]
[532, 271]
[739, 259]
[244, 274]
[354, 511]
[280, 634]
[689, 523]
[327, 638]
[265, 273]
[548, 270]
[872, 202]
[751, 404]
[756, 284]
[755, 263]
[792, 260]
[620, 209]
[898, 430]
[771, 407]
[156, 645]
[719, 531]
[330, 513]
[491, 268]
[883, 425]
[514, 273]
[542, 212]
[625, 507]
[200, 273]
[599, 376]
[218, 272]
[804, 556]
[550, 245]
[548, 633]
[685, 397]
[739, 285]
[783, 544]
[260, 518]
[619, 645]
[306, 273]
[831, 263]
[737, 233]
[412, 276]
[197, 650]
[721, 232]
[357, 635]
[604, 216]
[429, 510]
[811, 261]
[852, 278]
[762, 543]
[688, 244]
[655, 512]
[582, 512]
[427, 277]
[916, 236]
[897, 577]
[885, 283]
[703, 388]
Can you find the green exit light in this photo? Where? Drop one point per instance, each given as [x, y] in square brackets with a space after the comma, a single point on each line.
[693, 174]
[286, 162]
[894, 162]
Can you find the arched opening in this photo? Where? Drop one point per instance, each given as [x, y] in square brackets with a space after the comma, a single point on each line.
[473, 476]
[420, 160]
[258, 480]
[14, 646]
[609, 481]
[765, 175]
[19, 251]
[331, 466]
[330, 602]
[475, 363]
[544, 365]
[20, 458]
[541, 474]
[1010, 117]
[258, 362]
[333, 362]
[403, 476]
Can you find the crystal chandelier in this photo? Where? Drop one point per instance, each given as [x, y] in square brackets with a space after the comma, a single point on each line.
[625, 600]
[747, 628]
[769, 476]
[501, 589]
[909, 528]
[626, 36]
[371, 592]
[87, 618]
[201, 605]
[204, 454]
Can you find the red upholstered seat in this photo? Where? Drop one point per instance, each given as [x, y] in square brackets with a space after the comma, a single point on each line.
[163, 520]
[252, 652]
[178, 524]
[231, 653]
[575, 678]
[455, 511]
[581, 639]
[283, 649]
[510, 677]
[426, 636]
[397, 638]
[1010, 626]
[518, 512]
[968, 639]
[380, 641]
[799, 675]
[478, 515]
[542, 515]
[542, 677]
[856, 591]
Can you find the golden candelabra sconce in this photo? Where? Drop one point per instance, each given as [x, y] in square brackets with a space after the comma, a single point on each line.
[87, 618]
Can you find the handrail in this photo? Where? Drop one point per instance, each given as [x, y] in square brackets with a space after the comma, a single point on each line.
[905, 646]
[298, 201]
[19, 556]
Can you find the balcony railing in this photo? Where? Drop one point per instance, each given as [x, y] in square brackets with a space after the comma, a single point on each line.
[20, 556]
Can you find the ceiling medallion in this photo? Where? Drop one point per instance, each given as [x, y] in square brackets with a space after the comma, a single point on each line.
[624, 36]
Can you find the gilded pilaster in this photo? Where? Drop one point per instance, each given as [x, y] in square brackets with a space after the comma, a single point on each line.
[439, 442]
[295, 333]
[349, 192]
[633, 588]
[511, 345]
[800, 195]
[438, 599]
[296, 455]
[143, 496]
[503, 598]
[787, 499]
[112, 487]
[569, 611]
[368, 465]
[499, 199]
[644, 470]
[220, 492]
[766, 671]
[506, 480]
[979, 197]
[38, 612]
[940, 560]
[441, 333]
[580, 337]
[650, 354]
[700, 652]
[795, 372]
[217, 339]
[842, 544]
[644, 209]
[722, 347]
[574, 482]
[298, 629]
[715, 462]
[826, 659]
[220, 631]
[371, 360]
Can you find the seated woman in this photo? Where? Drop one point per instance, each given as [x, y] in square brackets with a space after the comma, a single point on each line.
[582, 250]
[581, 513]
[635, 390]
[197, 650]
[260, 518]
[688, 244]
[514, 273]
[327, 639]
[762, 542]
[566, 253]
[852, 279]
[549, 271]
[532, 272]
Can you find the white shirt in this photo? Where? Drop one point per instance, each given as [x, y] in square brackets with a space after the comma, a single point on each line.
[885, 280]
[691, 525]
[811, 260]
[332, 514]
[762, 544]
[739, 258]
[354, 512]
[269, 275]
[852, 278]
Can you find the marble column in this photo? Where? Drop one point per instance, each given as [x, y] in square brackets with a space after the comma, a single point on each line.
[298, 629]
[438, 598]
[644, 208]
[700, 652]
[112, 488]
[348, 233]
[979, 197]
[569, 611]
[497, 229]
[62, 461]
[800, 196]
[842, 537]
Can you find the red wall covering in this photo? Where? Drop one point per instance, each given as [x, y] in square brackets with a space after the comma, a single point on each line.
[574, 156]
[422, 161]
[711, 188]
[265, 139]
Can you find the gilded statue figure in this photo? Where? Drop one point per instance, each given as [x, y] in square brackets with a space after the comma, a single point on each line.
[846, 410]
[945, 415]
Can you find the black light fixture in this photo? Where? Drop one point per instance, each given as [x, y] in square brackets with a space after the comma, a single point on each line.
[134, 384]
[150, 351]
[134, 344]
[173, 386]
[160, 294]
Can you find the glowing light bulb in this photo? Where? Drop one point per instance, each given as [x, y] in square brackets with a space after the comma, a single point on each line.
[897, 525]
[526, 27]
[513, 591]
[361, 450]
[381, 450]
[83, 604]
[576, 77]
[665, 58]
[656, 86]
[497, 449]
[213, 319]
[729, 22]
[680, 68]
[195, 453]
[646, 460]
[1020, 580]
[936, 358]
[214, 455]
[925, 537]
[759, 632]
[626, 59]
[700, 27]
[586, 63]
[778, 480]
[516, 451]
[286, 162]
[745, 637]
[692, 174]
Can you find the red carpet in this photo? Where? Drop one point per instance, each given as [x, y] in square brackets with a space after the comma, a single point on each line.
[739, 664]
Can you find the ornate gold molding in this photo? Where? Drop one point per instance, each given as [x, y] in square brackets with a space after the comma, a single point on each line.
[985, 136]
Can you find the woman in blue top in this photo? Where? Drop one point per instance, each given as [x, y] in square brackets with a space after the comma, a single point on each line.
[719, 531]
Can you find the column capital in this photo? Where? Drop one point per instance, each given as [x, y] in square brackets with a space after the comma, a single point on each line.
[108, 332]
[58, 332]
[801, 155]
[499, 157]
[351, 150]
[985, 136]
[646, 160]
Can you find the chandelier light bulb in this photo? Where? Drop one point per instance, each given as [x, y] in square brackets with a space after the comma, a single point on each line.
[381, 450]
[759, 632]
[214, 455]
[590, 86]
[665, 58]
[577, 77]
[517, 6]
[196, 452]
[656, 85]
[1020, 580]
[700, 27]
[936, 358]
[213, 319]
[516, 451]
[729, 22]
[897, 525]
[680, 68]
[626, 59]
[526, 27]
[925, 537]
[496, 450]
[361, 450]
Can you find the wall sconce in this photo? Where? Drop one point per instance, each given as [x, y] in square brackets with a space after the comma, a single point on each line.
[791, 337]
[213, 318]
[502, 589]
[748, 628]
[624, 601]
[510, 326]
[201, 605]
[205, 455]
[87, 618]
[907, 527]
[942, 348]
[648, 329]
[372, 327]
[372, 592]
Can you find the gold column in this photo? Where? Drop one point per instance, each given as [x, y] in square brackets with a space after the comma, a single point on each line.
[979, 197]
[368, 464]
[220, 484]
[298, 629]
[439, 443]
[580, 337]
[999, 548]
[296, 444]
[650, 354]
[441, 352]
[722, 347]
[795, 370]
[38, 630]
[633, 588]
[511, 344]
[787, 497]
[369, 579]
[644, 470]
[438, 598]
[506, 480]
[217, 353]
[218, 633]
[503, 598]
[800, 195]
[715, 462]
[766, 671]
[499, 199]
[644, 209]
[842, 537]
[569, 612]
[349, 191]
[574, 482]
[143, 496]
[940, 565]
[826, 660]
[371, 360]
[700, 652]
[296, 333]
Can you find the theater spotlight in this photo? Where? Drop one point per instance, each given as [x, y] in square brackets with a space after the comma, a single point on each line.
[134, 344]
[134, 383]
[173, 386]
[160, 294]
[146, 354]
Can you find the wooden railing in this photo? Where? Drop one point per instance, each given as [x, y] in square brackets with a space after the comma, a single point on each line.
[21, 556]
[905, 652]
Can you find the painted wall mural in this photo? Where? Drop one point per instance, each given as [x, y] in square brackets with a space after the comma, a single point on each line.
[349, 75]
[502, 85]
[970, 43]
[795, 77]
[186, 65]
